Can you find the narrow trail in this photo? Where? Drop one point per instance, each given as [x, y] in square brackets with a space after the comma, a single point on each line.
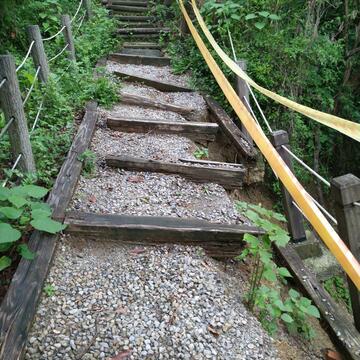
[113, 298]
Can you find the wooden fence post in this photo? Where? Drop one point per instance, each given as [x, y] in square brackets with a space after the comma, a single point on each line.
[293, 215]
[38, 52]
[87, 5]
[12, 105]
[243, 92]
[346, 194]
[65, 21]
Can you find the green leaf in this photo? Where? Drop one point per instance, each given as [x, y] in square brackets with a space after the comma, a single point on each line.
[294, 294]
[280, 239]
[313, 311]
[48, 225]
[265, 256]
[39, 213]
[8, 234]
[284, 272]
[252, 215]
[17, 200]
[4, 193]
[250, 16]
[264, 13]
[5, 262]
[235, 17]
[25, 252]
[35, 191]
[279, 217]
[5, 247]
[274, 17]
[10, 212]
[269, 275]
[260, 25]
[287, 318]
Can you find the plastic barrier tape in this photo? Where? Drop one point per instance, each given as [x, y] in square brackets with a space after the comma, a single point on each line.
[344, 126]
[313, 214]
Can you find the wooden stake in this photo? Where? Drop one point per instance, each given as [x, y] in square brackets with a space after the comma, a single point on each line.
[87, 5]
[65, 21]
[38, 52]
[12, 105]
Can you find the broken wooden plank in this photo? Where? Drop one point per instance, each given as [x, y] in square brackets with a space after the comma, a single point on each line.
[156, 84]
[189, 114]
[237, 138]
[140, 60]
[229, 178]
[19, 305]
[338, 323]
[143, 31]
[219, 240]
[193, 130]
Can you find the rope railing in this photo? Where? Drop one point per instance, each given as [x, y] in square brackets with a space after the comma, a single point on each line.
[26, 56]
[59, 53]
[55, 35]
[37, 117]
[77, 11]
[6, 127]
[32, 85]
[2, 82]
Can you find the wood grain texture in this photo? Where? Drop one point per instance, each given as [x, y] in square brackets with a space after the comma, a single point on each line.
[141, 45]
[338, 323]
[156, 84]
[144, 31]
[140, 60]
[127, 9]
[19, 305]
[68, 35]
[136, 18]
[229, 178]
[217, 239]
[193, 130]
[187, 113]
[237, 138]
[141, 52]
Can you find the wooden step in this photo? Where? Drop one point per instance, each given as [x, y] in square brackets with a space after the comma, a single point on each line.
[115, 9]
[146, 102]
[143, 31]
[136, 18]
[141, 52]
[114, 5]
[118, 2]
[125, 25]
[140, 59]
[229, 178]
[193, 130]
[141, 45]
[156, 84]
[218, 240]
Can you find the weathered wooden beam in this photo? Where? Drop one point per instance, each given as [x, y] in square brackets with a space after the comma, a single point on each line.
[139, 59]
[189, 114]
[143, 31]
[218, 240]
[236, 137]
[193, 130]
[19, 305]
[135, 25]
[156, 84]
[114, 4]
[142, 37]
[126, 8]
[141, 51]
[229, 178]
[136, 18]
[338, 323]
[210, 162]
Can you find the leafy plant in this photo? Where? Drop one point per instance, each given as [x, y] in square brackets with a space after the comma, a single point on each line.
[201, 153]
[261, 18]
[21, 210]
[88, 158]
[338, 290]
[49, 290]
[264, 295]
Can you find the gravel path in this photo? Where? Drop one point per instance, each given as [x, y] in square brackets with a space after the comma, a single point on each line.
[166, 302]
[152, 303]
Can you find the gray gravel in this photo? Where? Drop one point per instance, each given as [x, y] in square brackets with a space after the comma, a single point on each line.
[155, 303]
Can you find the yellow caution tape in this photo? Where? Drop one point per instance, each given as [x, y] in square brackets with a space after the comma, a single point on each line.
[301, 197]
[346, 127]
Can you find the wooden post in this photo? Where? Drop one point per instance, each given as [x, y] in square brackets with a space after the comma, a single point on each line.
[87, 5]
[243, 92]
[346, 192]
[65, 21]
[184, 29]
[293, 215]
[12, 105]
[38, 52]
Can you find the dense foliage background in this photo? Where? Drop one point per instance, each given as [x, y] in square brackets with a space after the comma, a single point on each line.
[70, 85]
[307, 51]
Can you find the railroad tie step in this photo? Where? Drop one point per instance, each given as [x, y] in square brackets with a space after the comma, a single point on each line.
[156, 84]
[139, 59]
[120, 2]
[136, 18]
[193, 130]
[141, 45]
[141, 52]
[218, 240]
[116, 9]
[133, 31]
[141, 25]
[228, 177]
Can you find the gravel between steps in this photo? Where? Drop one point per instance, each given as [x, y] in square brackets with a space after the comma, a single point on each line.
[156, 303]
